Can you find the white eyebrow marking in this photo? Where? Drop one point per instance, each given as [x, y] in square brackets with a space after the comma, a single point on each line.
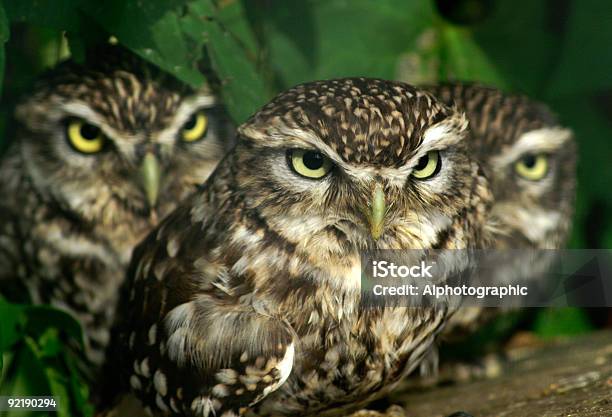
[182, 114]
[165, 137]
[83, 110]
[439, 136]
[444, 134]
[547, 139]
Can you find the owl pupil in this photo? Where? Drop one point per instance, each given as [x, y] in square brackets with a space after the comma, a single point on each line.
[423, 161]
[190, 124]
[529, 161]
[89, 132]
[313, 160]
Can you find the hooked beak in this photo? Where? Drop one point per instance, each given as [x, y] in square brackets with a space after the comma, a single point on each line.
[376, 216]
[150, 174]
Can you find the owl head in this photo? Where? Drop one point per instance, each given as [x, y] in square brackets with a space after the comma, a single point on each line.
[530, 160]
[349, 164]
[534, 179]
[115, 136]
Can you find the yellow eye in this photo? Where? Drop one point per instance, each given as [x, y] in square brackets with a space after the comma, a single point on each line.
[84, 137]
[532, 167]
[428, 166]
[195, 128]
[308, 163]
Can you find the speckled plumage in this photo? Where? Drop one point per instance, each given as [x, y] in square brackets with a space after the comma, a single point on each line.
[504, 128]
[70, 220]
[526, 213]
[246, 299]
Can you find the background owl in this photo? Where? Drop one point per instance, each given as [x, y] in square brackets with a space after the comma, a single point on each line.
[530, 161]
[247, 297]
[101, 151]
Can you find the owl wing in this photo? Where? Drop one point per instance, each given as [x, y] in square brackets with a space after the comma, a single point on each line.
[11, 261]
[194, 346]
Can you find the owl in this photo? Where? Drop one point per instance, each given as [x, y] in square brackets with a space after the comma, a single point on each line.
[530, 161]
[246, 299]
[529, 158]
[102, 150]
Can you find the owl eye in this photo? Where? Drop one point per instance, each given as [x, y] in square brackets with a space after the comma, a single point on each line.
[84, 137]
[195, 128]
[308, 163]
[532, 167]
[427, 166]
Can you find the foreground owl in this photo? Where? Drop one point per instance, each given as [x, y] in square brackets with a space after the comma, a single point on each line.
[102, 150]
[530, 161]
[246, 299]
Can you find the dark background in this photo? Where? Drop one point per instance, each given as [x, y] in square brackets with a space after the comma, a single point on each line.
[559, 52]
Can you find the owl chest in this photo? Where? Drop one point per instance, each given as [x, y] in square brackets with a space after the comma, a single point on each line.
[61, 262]
[346, 363]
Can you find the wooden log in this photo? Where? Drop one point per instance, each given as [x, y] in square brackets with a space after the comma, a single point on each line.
[564, 378]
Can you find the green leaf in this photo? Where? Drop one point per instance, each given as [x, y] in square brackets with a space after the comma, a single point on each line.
[78, 388]
[60, 388]
[519, 38]
[462, 58]
[231, 15]
[337, 38]
[56, 381]
[242, 88]
[12, 324]
[89, 34]
[57, 14]
[43, 363]
[25, 376]
[4, 36]
[554, 322]
[21, 319]
[151, 30]
[50, 343]
[586, 61]
[41, 317]
[403, 40]
[4, 24]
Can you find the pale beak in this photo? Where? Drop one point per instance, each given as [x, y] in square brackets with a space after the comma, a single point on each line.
[150, 174]
[376, 216]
